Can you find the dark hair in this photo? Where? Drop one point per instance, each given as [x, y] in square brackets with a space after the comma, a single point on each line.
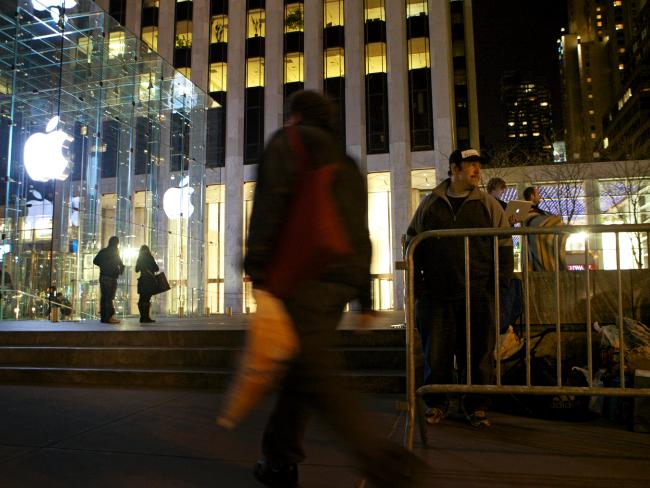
[314, 109]
[495, 183]
[144, 249]
[528, 193]
[113, 241]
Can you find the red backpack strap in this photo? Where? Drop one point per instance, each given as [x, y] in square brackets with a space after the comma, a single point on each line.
[296, 145]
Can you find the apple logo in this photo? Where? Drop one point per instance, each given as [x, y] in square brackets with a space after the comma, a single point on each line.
[53, 6]
[39, 214]
[177, 201]
[43, 153]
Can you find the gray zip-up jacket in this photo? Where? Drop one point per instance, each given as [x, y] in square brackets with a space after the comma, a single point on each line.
[439, 262]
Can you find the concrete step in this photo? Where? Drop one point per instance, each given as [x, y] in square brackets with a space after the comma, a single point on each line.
[183, 357]
[177, 358]
[364, 380]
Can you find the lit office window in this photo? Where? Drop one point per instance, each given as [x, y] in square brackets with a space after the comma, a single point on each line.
[376, 78]
[419, 75]
[149, 22]
[379, 225]
[334, 57]
[183, 36]
[254, 93]
[294, 40]
[217, 84]
[214, 254]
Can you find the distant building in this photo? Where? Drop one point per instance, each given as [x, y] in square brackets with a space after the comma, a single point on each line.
[627, 122]
[593, 53]
[527, 107]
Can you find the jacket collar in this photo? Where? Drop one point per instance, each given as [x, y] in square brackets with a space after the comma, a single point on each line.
[441, 191]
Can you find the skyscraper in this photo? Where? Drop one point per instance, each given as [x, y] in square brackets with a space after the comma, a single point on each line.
[527, 107]
[592, 60]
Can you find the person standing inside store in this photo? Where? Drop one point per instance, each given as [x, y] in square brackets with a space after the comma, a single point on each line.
[147, 267]
[110, 268]
[316, 304]
[457, 203]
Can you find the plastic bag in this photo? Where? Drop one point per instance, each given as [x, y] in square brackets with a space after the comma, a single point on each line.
[271, 344]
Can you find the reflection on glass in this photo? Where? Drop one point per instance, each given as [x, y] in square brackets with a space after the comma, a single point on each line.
[116, 44]
[215, 236]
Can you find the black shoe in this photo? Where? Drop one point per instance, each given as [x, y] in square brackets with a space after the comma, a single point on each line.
[283, 477]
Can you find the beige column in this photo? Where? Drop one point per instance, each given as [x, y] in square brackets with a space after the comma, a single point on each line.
[273, 67]
[200, 43]
[166, 28]
[355, 93]
[441, 85]
[314, 45]
[234, 170]
[399, 136]
[472, 100]
[134, 16]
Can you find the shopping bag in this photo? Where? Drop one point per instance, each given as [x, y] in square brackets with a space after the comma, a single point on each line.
[313, 233]
[271, 344]
[161, 283]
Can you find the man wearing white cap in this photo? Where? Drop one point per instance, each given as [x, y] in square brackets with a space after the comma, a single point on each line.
[457, 203]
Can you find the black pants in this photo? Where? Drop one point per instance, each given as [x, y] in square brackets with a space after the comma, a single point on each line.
[441, 323]
[311, 385]
[145, 299]
[107, 290]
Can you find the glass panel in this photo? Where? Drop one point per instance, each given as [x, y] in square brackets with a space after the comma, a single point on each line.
[150, 37]
[183, 34]
[294, 18]
[416, 7]
[418, 50]
[333, 13]
[375, 10]
[249, 192]
[334, 62]
[219, 29]
[218, 77]
[256, 26]
[293, 64]
[376, 57]
[102, 110]
[379, 225]
[254, 72]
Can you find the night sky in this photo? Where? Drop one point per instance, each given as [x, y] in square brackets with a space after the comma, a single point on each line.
[515, 35]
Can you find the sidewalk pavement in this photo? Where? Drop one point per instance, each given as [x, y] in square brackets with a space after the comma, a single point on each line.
[119, 437]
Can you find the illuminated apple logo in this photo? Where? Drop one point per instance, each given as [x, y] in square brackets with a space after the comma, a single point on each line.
[53, 6]
[39, 213]
[43, 153]
[177, 201]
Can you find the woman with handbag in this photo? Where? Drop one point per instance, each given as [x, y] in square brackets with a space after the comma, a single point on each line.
[147, 267]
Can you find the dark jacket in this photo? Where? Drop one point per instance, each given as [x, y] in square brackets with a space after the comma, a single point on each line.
[109, 262]
[147, 267]
[440, 262]
[276, 179]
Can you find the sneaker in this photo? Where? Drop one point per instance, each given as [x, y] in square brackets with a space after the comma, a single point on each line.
[479, 419]
[113, 320]
[283, 477]
[433, 415]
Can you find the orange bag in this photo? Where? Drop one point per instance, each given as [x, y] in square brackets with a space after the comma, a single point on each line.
[271, 343]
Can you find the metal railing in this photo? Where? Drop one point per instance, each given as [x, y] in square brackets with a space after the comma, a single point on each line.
[412, 393]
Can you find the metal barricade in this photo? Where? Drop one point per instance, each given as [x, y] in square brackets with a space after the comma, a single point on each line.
[412, 393]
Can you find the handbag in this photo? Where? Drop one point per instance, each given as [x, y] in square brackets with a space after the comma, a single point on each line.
[313, 233]
[161, 284]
